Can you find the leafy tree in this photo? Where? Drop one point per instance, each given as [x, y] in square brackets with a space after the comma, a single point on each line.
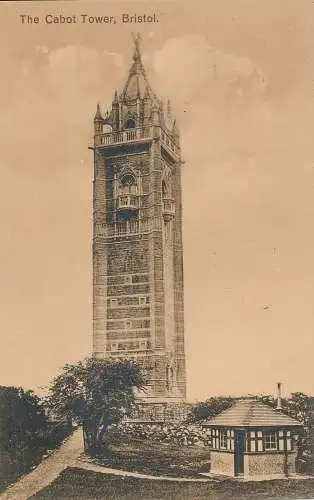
[95, 393]
[22, 424]
[297, 406]
[209, 408]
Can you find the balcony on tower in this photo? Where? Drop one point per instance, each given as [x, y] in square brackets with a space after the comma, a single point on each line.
[127, 203]
[112, 138]
[168, 208]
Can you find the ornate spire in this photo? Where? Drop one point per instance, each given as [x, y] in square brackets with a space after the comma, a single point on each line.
[137, 84]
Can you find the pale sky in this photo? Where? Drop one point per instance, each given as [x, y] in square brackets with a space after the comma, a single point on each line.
[239, 74]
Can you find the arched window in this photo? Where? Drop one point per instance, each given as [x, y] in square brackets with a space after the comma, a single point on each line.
[127, 183]
[127, 180]
[130, 123]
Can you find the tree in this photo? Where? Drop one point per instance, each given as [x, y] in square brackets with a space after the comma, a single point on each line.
[209, 408]
[95, 393]
[22, 424]
[297, 406]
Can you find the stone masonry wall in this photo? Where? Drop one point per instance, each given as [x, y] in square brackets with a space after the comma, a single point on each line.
[129, 268]
[222, 463]
[270, 464]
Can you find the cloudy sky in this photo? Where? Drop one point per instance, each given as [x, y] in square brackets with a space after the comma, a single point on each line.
[239, 74]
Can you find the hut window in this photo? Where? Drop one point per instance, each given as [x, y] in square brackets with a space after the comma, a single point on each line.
[270, 439]
[214, 436]
[289, 441]
[253, 441]
[281, 440]
[223, 439]
[232, 440]
[259, 441]
[229, 440]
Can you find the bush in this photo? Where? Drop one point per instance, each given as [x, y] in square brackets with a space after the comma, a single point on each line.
[175, 434]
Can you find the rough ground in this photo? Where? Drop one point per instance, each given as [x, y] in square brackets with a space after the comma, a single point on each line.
[48, 470]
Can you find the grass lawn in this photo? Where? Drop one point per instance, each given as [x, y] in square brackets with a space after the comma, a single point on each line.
[158, 459]
[77, 483]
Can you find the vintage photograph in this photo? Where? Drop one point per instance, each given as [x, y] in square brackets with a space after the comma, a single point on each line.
[157, 275]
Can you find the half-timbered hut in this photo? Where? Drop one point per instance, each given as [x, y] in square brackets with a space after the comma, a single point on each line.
[251, 439]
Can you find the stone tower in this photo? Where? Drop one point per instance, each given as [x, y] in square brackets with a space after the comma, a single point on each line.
[137, 237]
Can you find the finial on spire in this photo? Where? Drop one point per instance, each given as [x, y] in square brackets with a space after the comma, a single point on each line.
[136, 40]
[137, 85]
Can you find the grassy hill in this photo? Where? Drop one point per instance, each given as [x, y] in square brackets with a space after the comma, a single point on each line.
[74, 483]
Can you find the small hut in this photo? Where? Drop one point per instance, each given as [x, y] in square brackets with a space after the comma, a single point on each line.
[253, 441]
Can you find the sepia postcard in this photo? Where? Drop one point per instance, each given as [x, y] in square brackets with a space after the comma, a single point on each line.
[157, 271]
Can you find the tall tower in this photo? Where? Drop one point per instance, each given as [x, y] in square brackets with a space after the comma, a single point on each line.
[137, 236]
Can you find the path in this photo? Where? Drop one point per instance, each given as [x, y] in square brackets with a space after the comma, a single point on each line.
[47, 470]
[85, 464]
[68, 456]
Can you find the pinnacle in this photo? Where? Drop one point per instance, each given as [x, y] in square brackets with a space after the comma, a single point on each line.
[98, 115]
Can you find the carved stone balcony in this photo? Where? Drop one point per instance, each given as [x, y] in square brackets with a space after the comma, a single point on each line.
[130, 135]
[127, 203]
[168, 209]
[138, 134]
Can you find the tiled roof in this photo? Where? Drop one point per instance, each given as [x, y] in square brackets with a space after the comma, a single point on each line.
[251, 413]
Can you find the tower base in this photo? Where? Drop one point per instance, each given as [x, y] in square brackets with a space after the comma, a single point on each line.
[159, 411]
